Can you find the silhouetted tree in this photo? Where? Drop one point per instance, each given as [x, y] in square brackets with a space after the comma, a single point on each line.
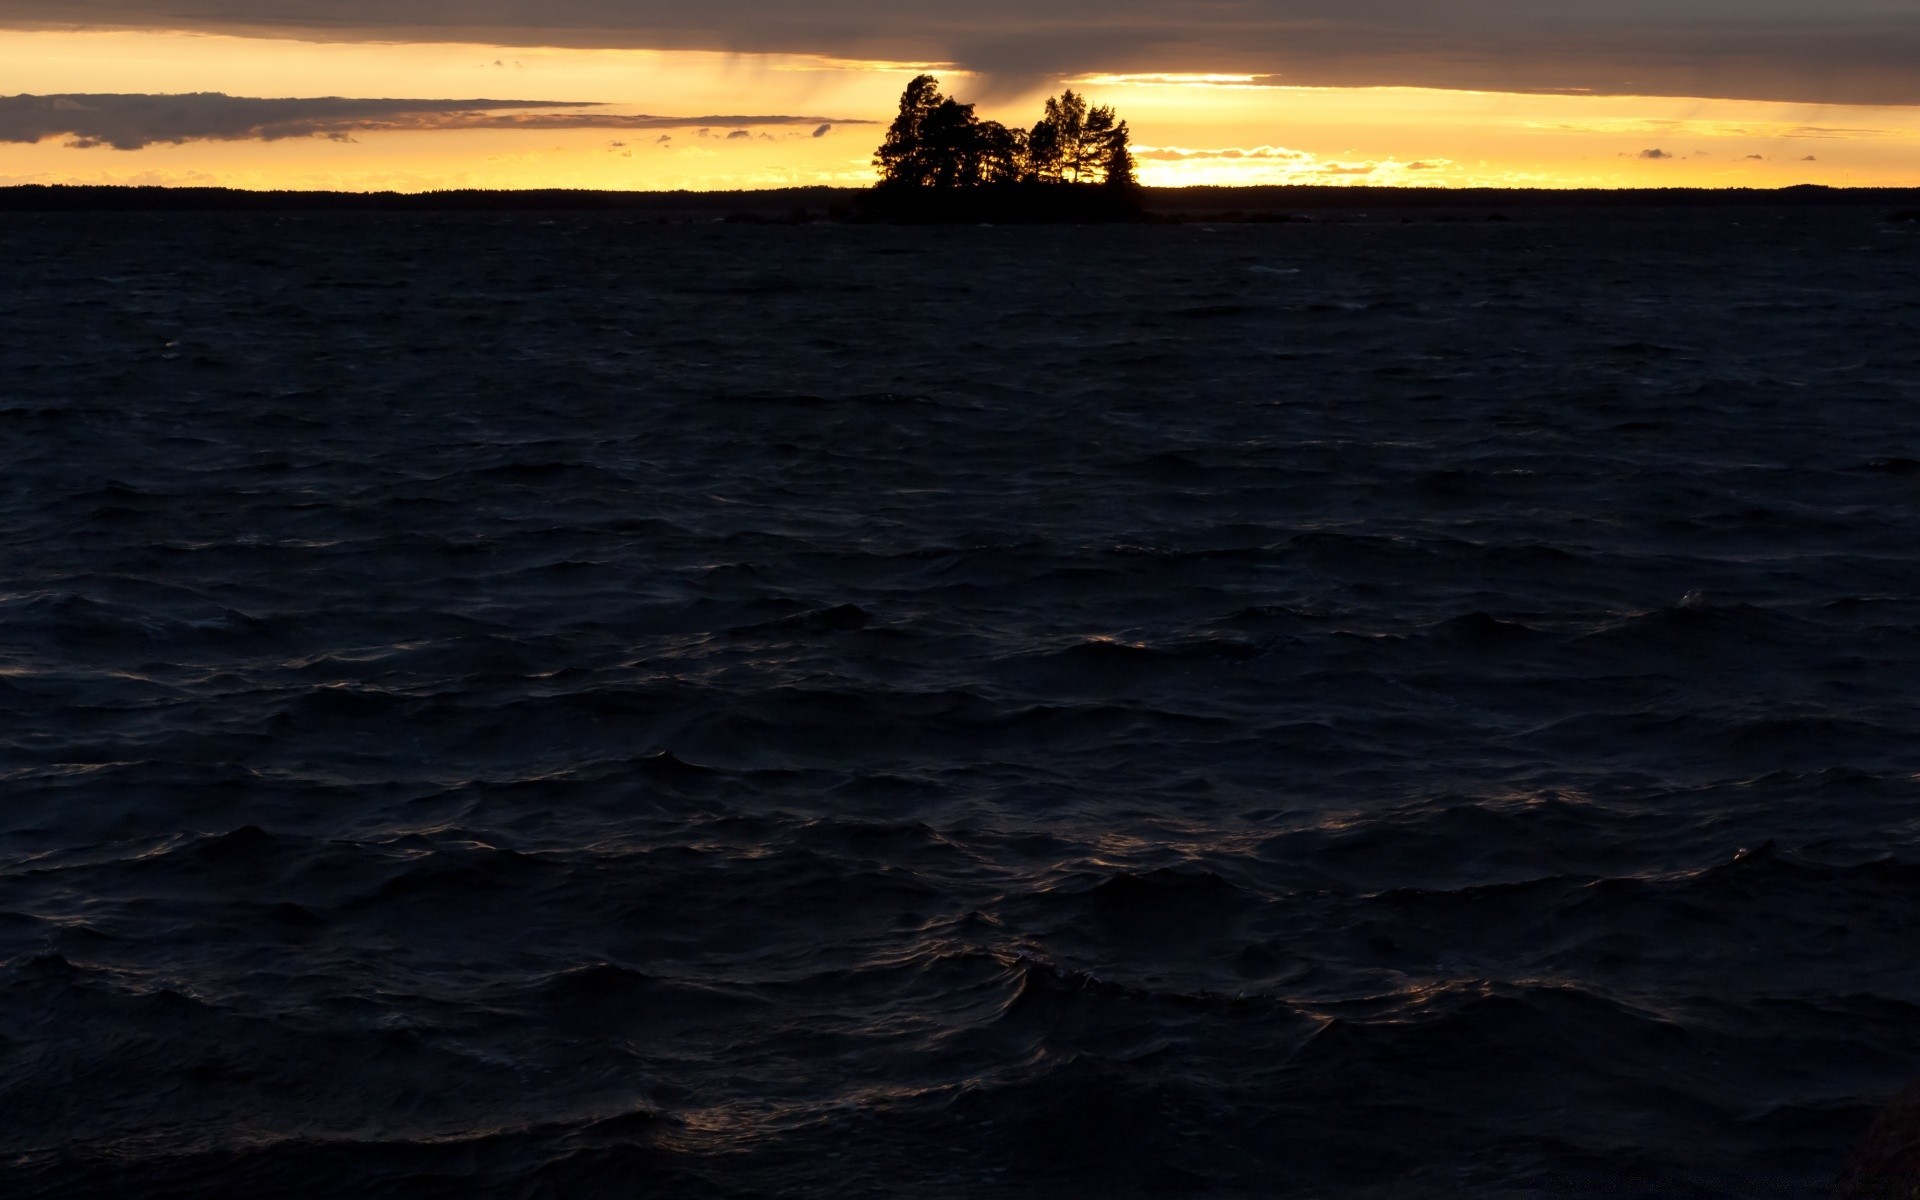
[937, 142]
[1002, 153]
[1065, 123]
[963, 151]
[1043, 153]
[901, 157]
[949, 144]
[1119, 164]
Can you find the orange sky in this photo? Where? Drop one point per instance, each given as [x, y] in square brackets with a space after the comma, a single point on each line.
[1187, 128]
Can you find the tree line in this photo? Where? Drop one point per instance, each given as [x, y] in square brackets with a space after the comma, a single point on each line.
[937, 142]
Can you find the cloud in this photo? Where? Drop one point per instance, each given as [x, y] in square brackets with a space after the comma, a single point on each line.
[1176, 165]
[1228, 153]
[1179, 79]
[823, 131]
[1858, 51]
[738, 133]
[133, 121]
[1655, 154]
[1828, 131]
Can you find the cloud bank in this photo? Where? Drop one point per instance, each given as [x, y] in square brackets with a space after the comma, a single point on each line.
[132, 121]
[1860, 51]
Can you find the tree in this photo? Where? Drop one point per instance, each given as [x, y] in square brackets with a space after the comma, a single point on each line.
[901, 159]
[1002, 153]
[1043, 153]
[1095, 146]
[1119, 165]
[1065, 125]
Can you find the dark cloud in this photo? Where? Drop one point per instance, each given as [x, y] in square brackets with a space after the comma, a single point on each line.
[131, 121]
[738, 133]
[823, 131]
[1865, 51]
[1655, 154]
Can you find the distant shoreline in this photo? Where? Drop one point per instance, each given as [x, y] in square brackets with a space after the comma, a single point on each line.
[1269, 202]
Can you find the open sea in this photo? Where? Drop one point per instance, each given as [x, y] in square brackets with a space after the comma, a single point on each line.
[546, 705]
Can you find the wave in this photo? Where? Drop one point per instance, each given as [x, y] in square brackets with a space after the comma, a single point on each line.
[1076, 725]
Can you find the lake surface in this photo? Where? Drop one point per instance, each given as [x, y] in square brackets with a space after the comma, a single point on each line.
[518, 705]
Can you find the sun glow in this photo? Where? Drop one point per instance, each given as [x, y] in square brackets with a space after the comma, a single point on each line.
[1189, 128]
[1202, 133]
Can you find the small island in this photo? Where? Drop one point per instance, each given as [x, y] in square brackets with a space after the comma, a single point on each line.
[941, 162]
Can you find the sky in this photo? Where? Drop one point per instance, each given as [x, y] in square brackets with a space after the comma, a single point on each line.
[415, 95]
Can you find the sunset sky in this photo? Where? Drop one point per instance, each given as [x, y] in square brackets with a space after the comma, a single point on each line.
[421, 94]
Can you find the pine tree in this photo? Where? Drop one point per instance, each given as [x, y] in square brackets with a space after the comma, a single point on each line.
[1119, 164]
[1066, 116]
[1043, 153]
[901, 157]
[1095, 144]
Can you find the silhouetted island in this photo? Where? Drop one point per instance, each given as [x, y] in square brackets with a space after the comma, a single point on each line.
[940, 162]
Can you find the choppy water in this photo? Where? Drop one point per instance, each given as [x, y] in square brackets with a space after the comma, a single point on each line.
[526, 706]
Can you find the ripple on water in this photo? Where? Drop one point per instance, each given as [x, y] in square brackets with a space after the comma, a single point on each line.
[1087, 728]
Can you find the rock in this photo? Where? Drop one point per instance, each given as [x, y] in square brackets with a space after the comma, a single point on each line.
[1886, 1164]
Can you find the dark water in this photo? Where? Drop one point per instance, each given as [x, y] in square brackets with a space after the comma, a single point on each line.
[507, 706]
